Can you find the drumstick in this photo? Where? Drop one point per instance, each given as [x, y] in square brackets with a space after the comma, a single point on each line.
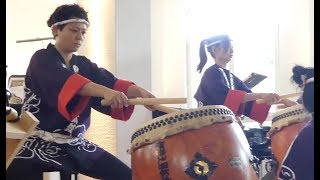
[164, 108]
[281, 106]
[150, 101]
[259, 101]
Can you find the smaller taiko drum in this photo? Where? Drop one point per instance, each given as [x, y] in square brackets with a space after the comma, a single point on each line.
[286, 125]
[200, 143]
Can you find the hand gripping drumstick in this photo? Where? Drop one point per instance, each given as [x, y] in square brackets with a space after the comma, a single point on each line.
[155, 102]
[259, 101]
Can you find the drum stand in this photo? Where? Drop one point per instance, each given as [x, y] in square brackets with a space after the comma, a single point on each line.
[263, 161]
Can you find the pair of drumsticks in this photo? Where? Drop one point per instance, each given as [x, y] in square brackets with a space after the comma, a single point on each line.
[156, 102]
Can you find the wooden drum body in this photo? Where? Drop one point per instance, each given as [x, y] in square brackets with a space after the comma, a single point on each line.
[286, 125]
[202, 143]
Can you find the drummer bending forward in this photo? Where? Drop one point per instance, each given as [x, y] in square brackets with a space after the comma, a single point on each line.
[61, 88]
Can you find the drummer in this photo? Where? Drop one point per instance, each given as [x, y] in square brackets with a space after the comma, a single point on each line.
[219, 86]
[61, 89]
[299, 162]
[300, 76]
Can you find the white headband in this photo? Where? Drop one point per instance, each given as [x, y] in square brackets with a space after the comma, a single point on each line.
[70, 21]
[213, 43]
[310, 80]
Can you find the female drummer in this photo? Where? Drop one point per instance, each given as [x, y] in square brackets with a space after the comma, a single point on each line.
[299, 162]
[61, 89]
[219, 86]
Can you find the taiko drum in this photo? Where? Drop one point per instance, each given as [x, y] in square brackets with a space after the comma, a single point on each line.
[201, 143]
[286, 125]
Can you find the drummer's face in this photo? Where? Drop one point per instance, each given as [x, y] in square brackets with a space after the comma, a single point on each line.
[71, 36]
[224, 51]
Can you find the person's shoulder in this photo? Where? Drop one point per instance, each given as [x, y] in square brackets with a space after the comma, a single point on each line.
[235, 77]
[83, 60]
[39, 58]
[212, 70]
[40, 52]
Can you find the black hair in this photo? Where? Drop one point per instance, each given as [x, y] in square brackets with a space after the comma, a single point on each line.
[308, 90]
[308, 97]
[65, 12]
[222, 40]
[203, 56]
[300, 70]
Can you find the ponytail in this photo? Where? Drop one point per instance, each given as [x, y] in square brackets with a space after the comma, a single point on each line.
[203, 56]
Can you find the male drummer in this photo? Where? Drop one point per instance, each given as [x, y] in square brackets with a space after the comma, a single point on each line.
[61, 89]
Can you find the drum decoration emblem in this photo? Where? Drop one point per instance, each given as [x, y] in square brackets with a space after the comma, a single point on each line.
[75, 68]
[200, 167]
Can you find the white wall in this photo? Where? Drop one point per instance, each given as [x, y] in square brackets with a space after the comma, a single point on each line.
[295, 42]
[168, 48]
[133, 62]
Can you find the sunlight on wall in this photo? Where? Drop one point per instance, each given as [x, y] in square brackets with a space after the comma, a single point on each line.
[100, 49]
[94, 39]
[168, 49]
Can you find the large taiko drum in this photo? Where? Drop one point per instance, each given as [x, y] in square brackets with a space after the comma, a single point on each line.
[286, 125]
[202, 143]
